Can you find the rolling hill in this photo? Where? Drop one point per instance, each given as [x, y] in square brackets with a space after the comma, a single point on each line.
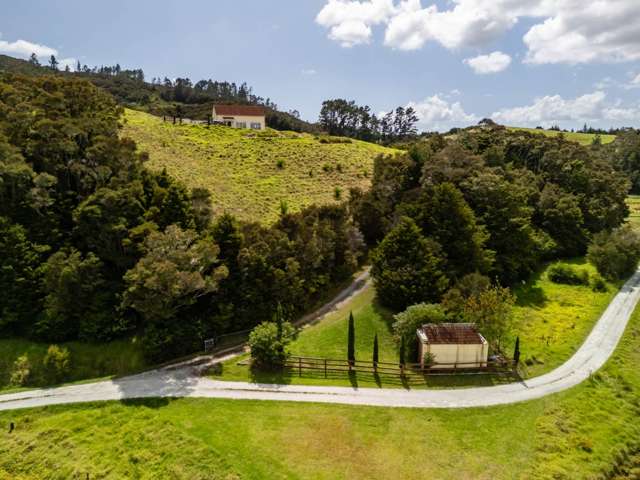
[582, 138]
[249, 174]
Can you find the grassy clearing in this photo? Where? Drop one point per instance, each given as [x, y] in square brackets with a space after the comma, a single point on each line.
[552, 321]
[250, 173]
[633, 202]
[582, 138]
[582, 433]
[88, 361]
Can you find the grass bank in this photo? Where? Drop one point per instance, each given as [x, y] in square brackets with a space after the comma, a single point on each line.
[250, 173]
[551, 320]
[590, 431]
[88, 361]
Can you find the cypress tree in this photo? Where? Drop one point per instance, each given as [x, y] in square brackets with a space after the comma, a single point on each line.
[351, 341]
[516, 352]
[375, 351]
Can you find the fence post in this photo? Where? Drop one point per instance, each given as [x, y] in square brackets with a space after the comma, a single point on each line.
[325, 368]
[299, 366]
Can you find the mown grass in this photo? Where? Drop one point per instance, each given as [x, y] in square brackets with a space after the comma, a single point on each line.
[586, 432]
[249, 174]
[87, 361]
[551, 320]
[582, 138]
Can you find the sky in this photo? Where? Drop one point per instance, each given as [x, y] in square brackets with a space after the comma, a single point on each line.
[520, 62]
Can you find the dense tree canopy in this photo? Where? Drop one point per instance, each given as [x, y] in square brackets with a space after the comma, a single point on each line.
[496, 202]
[94, 246]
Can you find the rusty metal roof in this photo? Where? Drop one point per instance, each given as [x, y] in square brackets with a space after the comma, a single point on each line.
[452, 333]
[246, 110]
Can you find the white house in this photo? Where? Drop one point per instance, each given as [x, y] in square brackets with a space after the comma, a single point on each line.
[453, 345]
[240, 116]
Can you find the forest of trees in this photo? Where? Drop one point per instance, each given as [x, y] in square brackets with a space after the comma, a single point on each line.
[93, 246]
[490, 201]
[345, 118]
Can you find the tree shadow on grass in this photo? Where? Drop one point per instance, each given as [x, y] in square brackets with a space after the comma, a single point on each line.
[529, 294]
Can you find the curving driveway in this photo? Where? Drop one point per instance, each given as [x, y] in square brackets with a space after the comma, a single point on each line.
[184, 381]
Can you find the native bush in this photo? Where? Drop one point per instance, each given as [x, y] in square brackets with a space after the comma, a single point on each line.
[568, 275]
[269, 344]
[21, 371]
[615, 254]
[57, 363]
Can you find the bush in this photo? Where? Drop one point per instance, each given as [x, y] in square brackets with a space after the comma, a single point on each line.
[337, 193]
[269, 347]
[57, 363]
[567, 275]
[615, 254]
[21, 371]
[429, 360]
[599, 284]
[280, 164]
[407, 322]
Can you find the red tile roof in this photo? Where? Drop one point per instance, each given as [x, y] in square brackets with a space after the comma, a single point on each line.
[246, 110]
[452, 333]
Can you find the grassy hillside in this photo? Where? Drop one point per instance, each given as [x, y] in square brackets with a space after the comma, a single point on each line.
[249, 173]
[582, 138]
[591, 431]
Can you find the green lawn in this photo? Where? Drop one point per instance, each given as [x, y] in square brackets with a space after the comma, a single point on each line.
[582, 433]
[88, 361]
[633, 202]
[552, 321]
[241, 168]
[582, 138]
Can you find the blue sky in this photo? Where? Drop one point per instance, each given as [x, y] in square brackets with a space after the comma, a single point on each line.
[524, 62]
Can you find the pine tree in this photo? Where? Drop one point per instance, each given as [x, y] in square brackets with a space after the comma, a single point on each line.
[53, 63]
[33, 60]
[375, 351]
[351, 341]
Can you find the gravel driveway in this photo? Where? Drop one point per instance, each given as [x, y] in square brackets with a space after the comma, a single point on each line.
[184, 380]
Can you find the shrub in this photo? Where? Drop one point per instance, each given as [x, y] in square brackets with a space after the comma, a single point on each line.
[615, 254]
[407, 323]
[280, 164]
[337, 193]
[269, 346]
[21, 371]
[598, 284]
[567, 275]
[339, 167]
[429, 360]
[57, 363]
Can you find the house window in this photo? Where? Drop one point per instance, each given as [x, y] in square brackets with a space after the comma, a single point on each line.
[256, 126]
[241, 124]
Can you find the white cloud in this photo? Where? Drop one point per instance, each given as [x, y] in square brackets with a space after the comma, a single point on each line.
[309, 72]
[636, 81]
[349, 22]
[435, 113]
[567, 31]
[24, 48]
[70, 62]
[554, 109]
[493, 63]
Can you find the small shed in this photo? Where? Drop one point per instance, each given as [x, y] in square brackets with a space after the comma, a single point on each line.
[453, 345]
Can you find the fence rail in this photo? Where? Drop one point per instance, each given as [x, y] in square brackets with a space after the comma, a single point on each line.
[328, 365]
